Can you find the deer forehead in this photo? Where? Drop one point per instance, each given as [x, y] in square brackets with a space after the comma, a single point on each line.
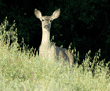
[47, 18]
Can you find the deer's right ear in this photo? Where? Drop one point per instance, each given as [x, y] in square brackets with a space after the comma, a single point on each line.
[38, 14]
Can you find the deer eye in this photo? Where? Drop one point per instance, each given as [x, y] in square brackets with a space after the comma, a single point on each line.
[50, 20]
[42, 19]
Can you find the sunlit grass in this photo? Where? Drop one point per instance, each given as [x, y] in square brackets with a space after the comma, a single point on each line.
[22, 71]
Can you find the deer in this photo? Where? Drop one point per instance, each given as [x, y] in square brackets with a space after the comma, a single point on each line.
[48, 49]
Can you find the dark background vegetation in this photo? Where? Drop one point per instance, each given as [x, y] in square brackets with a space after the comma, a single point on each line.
[85, 23]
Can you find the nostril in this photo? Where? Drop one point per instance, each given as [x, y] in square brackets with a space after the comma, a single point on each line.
[46, 26]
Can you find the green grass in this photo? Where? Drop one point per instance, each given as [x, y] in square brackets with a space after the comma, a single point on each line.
[19, 72]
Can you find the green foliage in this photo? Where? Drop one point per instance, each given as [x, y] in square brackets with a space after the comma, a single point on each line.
[85, 23]
[18, 72]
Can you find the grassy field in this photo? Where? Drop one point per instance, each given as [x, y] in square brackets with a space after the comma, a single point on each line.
[22, 71]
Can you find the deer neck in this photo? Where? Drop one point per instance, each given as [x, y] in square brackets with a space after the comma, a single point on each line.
[45, 38]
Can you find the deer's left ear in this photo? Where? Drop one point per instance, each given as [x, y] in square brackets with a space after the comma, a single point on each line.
[55, 14]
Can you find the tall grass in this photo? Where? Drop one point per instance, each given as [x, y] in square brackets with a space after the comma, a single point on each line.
[21, 71]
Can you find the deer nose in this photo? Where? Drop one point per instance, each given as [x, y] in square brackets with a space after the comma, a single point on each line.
[46, 26]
